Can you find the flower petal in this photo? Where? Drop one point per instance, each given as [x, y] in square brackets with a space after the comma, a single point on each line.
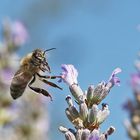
[69, 74]
[113, 79]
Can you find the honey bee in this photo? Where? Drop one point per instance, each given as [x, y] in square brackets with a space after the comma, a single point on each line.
[30, 66]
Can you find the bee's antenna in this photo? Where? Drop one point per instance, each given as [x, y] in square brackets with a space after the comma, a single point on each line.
[49, 50]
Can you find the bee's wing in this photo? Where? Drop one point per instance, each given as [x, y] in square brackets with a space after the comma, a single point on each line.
[19, 83]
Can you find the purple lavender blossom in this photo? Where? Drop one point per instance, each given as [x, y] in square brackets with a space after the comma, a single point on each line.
[113, 79]
[135, 81]
[94, 135]
[69, 74]
[19, 33]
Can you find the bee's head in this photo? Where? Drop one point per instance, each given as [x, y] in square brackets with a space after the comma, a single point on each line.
[39, 55]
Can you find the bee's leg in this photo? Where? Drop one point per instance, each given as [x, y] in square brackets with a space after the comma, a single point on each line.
[50, 83]
[32, 81]
[41, 69]
[39, 90]
[48, 77]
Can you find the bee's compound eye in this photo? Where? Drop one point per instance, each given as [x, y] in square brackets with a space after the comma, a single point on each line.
[38, 55]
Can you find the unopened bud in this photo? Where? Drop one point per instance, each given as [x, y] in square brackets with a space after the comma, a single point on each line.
[83, 111]
[69, 136]
[85, 134]
[69, 100]
[93, 113]
[63, 129]
[73, 111]
[90, 93]
[69, 115]
[76, 91]
[79, 134]
[102, 115]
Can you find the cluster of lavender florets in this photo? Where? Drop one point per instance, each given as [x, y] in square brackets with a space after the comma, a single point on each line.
[88, 118]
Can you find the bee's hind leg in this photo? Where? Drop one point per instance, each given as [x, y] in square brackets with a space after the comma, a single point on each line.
[39, 90]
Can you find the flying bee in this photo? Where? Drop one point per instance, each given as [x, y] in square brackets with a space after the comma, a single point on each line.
[30, 66]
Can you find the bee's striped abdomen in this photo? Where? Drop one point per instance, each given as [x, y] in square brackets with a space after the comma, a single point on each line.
[16, 90]
[19, 83]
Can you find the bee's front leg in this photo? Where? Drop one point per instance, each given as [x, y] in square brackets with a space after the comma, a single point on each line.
[41, 69]
[50, 83]
[39, 90]
[47, 77]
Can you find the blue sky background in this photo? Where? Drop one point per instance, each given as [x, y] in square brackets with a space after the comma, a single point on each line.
[94, 35]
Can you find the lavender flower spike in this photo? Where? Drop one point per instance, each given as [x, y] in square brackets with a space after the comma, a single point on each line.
[69, 74]
[88, 118]
[113, 80]
[19, 33]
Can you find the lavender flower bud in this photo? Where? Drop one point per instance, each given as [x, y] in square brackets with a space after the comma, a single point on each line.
[76, 91]
[69, 136]
[103, 114]
[100, 92]
[63, 129]
[83, 111]
[69, 115]
[82, 98]
[85, 134]
[72, 131]
[90, 93]
[73, 111]
[102, 137]
[79, 134]
[94, 135]
[69, 100]
[74, 118]
[93, 113]
[110, 130]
